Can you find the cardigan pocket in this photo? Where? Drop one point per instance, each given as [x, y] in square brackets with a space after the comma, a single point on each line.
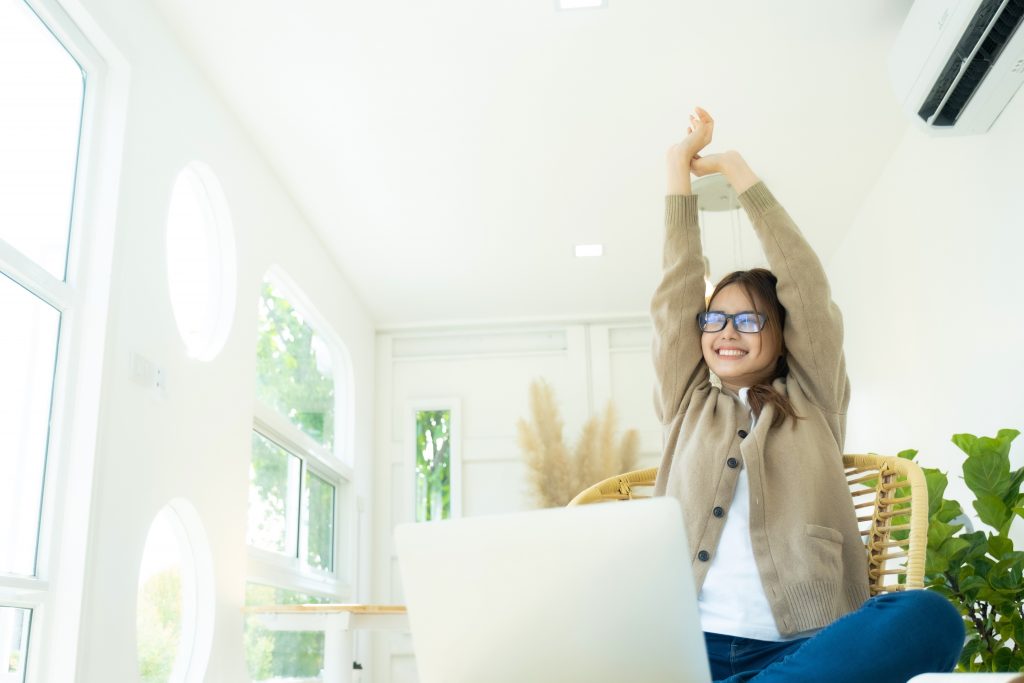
[823, 557]
[824, 533]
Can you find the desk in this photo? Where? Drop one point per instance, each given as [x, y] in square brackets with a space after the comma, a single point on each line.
[337, 622]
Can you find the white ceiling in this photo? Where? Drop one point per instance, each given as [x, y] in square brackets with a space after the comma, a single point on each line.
[451, 153]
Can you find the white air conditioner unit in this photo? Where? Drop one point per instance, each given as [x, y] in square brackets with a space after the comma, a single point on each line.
[957, 63]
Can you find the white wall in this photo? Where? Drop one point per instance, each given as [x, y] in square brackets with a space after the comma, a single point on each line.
[487, 371]
[929, 280]
[194, 442]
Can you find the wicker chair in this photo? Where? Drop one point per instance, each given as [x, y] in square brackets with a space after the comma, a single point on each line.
[889, 495]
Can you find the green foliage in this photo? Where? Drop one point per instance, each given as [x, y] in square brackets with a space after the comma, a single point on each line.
[433, 465]
[269, 478]
[158, 625]
[272, 654]
[289, 378]
[980, 572]
[294, 378]
[319, 497]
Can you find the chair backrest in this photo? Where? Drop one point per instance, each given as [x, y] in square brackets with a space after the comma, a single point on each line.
[889, 495]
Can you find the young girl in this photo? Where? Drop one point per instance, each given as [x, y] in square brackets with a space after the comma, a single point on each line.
[757, 463]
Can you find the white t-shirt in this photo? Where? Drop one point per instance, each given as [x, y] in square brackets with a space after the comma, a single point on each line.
[732, 601]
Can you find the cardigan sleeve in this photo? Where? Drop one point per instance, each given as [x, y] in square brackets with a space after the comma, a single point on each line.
[814, 325]
[678, 361]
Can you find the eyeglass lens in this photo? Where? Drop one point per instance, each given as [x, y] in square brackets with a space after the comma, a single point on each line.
[715, 321]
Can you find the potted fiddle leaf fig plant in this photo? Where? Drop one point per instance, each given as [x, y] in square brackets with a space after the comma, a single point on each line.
[980, 572]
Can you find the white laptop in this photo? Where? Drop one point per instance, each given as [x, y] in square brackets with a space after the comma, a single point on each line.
[597, 593]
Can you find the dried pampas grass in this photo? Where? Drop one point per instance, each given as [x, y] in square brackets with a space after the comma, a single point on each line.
[556, 476]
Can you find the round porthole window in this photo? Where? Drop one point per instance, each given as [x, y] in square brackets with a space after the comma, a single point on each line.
[200, 261]
[174, 609]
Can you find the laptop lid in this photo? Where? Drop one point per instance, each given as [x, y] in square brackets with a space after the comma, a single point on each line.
[596, 593]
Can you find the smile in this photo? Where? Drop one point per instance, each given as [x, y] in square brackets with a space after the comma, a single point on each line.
[731, 353]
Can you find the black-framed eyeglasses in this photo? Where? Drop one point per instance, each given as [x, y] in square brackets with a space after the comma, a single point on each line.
[747, 322]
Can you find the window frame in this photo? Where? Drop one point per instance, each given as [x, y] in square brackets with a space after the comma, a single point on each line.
[334, 465]
[454, 405]
[55, 593]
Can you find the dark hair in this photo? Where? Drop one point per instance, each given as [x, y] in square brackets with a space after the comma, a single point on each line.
[759, 285]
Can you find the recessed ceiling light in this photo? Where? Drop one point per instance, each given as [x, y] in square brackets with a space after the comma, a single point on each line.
[585, 250]
[581, 4]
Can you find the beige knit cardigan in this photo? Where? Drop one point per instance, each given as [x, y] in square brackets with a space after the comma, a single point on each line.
[802, 524]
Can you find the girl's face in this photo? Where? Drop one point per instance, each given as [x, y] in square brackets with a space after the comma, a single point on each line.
[740, 359]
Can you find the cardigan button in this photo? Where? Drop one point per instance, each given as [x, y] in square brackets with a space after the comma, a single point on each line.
[742, 433]
[703, 556]
[718, 512]
[733, 463]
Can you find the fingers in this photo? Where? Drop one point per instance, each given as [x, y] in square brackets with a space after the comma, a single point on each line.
[699, 120]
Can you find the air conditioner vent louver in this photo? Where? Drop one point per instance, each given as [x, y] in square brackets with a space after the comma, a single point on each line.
[976, 52]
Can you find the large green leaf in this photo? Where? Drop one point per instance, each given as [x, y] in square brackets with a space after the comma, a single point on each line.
[972, 585]
[1006, 437]
[987, 473]
[965, 442]
[938, 532]
[969, 653]
[948, 510]
[938, 557]
[1013, 487]
[1006, 577]
[935, 562]
[936, 482]
[1001, 659]
[999, 546]
[971, 549]
[992, 511]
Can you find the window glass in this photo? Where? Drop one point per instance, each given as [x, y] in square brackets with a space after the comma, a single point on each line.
[200, 261]
[14, 623]
[281, 656]
[40, 122]
[166, 580]
[28, 350]
[318, 496]
[433, 465]
[273, 497]
[294, 371]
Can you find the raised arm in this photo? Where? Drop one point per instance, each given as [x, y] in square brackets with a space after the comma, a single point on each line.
[678, 362]
[814, 325]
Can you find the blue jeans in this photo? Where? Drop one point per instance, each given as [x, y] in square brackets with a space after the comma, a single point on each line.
[890, 639]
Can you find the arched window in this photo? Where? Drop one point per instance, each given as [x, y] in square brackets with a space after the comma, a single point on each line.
[301, 502]
[295, 369]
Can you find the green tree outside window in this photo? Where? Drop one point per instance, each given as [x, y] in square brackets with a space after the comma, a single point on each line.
[319, 496]
[294, 373]
[281, 654]
[294, 377]
[158, 625]
[433, 465]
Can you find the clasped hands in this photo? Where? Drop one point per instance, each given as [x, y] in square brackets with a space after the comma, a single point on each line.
[685, 157]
